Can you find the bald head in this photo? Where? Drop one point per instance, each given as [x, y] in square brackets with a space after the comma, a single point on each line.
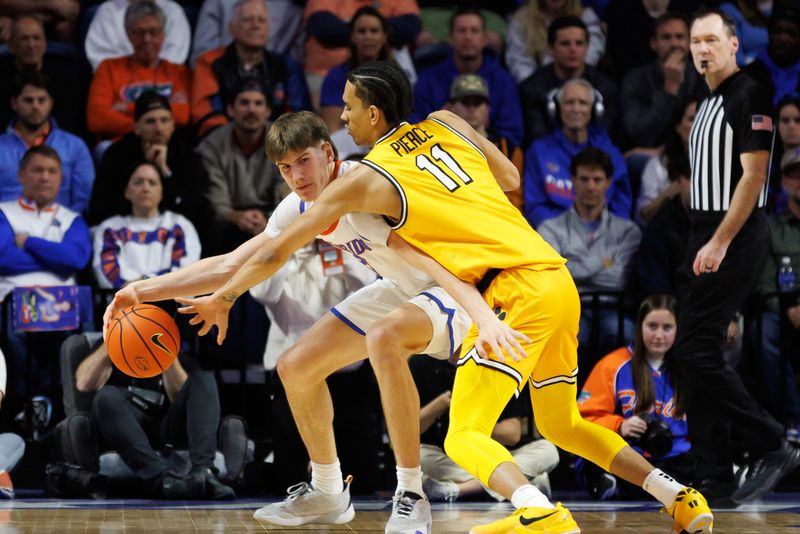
[27, 42]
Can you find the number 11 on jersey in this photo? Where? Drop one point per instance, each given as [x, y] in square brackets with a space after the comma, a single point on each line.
[439, 154]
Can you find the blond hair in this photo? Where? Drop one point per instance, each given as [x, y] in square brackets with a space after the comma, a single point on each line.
[535, 21]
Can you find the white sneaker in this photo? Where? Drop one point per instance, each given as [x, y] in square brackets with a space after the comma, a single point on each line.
[411, 514]
[304, 504]
[439, 491]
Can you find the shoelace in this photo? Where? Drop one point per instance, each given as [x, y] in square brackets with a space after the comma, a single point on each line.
[293, 492]
[404, 505]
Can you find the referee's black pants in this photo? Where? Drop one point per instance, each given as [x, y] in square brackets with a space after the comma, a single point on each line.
[716, 399]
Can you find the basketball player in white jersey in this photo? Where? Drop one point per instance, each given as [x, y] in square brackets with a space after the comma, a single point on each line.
[407, 311]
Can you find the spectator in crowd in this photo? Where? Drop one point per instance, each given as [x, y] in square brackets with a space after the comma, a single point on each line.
[431, 43]
[751, 27]
[108, 35]
[547, 183]
[60, 16]
[635, 392]
[468, 39]
[242, 181]
[369, 41]
[143, 241]
[629, 26]
[27, 48]
[42, 243]
[778, 66]
[155, 139]
[567, 37]
[220, 71]
[656, 91]
[328, 34]
[137, 416]
[469, 99]
[665, 238]
[528, 45]
[12, 446]
[783, 399]
[32, 102]
[286, 34]
[446, 481]
[119, 81]
[788, 114]
[599, 247]
[656, 185]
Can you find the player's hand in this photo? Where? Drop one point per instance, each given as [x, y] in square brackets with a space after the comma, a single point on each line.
[633, 427]
[208, 311]
[501, 339]
[709, 258]
[127, 296]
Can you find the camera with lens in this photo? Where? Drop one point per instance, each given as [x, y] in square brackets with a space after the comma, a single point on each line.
[68, 480]
[657, 439]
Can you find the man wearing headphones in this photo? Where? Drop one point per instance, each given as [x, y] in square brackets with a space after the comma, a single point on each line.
[547, 183]
[568, 38]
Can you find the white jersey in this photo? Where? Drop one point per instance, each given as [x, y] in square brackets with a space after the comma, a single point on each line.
[363, 235]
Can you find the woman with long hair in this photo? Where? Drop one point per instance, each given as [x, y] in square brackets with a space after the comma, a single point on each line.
[656, 186]
[634, 391]
[527, 48]
[369, 41]
[144, 241]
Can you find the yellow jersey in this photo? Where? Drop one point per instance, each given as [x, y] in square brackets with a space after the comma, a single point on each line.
[452, 207]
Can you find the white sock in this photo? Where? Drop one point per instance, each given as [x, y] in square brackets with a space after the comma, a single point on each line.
[662, 486]
[529, 495]
[327, 478]
[410, 479]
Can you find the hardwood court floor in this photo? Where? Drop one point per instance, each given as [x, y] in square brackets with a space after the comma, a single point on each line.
[780, 514]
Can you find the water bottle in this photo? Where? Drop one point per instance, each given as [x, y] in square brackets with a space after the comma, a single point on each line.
[787, 278]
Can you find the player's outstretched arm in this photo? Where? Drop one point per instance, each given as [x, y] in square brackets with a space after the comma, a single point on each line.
[359, 190]
[201, 277]
[492, 331]
[503, 169]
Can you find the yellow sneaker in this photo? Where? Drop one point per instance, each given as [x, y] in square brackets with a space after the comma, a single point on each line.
[691, 513]
[532, 519]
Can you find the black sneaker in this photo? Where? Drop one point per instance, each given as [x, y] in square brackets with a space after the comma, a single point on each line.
[214, 489]
[717, 492]
[184, 488]
[766, 472]
[604, 488]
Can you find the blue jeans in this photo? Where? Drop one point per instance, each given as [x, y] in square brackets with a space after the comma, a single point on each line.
[787, 401]
[606, 336]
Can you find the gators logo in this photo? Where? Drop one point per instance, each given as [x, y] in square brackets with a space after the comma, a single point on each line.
[141, 363]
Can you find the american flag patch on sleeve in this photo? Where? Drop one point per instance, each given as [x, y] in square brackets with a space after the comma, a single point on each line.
[762, 122]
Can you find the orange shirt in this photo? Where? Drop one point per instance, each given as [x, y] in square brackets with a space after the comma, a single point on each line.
[120, 81]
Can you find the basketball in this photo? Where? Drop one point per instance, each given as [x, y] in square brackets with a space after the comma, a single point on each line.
[143, 341]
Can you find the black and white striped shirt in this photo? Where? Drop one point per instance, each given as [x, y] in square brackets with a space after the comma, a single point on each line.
[734, 119]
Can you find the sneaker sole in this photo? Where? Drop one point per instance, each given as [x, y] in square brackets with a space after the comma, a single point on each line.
[700, 525]
[426, 530]
[331, 518]
[771, 482]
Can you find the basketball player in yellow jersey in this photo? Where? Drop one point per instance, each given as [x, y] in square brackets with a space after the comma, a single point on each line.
[434, 182]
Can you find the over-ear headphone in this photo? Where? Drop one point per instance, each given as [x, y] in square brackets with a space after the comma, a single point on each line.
[554, 111]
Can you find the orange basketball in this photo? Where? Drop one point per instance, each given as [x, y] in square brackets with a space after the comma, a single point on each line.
[143, 341]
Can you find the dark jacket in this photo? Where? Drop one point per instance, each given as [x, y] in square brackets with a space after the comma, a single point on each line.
[534, 90]
[663, 249]
[183, 190]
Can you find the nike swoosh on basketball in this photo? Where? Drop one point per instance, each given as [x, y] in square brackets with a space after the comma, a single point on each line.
[156, 339]
[525, 521]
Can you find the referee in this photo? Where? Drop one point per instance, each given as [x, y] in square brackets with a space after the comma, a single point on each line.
[729, 149]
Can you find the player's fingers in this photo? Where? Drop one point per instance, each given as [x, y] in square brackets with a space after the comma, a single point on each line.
[195, 320]
[506, 347]
[480, 349]
[518, 348]
[496, 350]
[222, 330]
[522, 337]
[204, 329]
[187, 310]
[696, 265]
